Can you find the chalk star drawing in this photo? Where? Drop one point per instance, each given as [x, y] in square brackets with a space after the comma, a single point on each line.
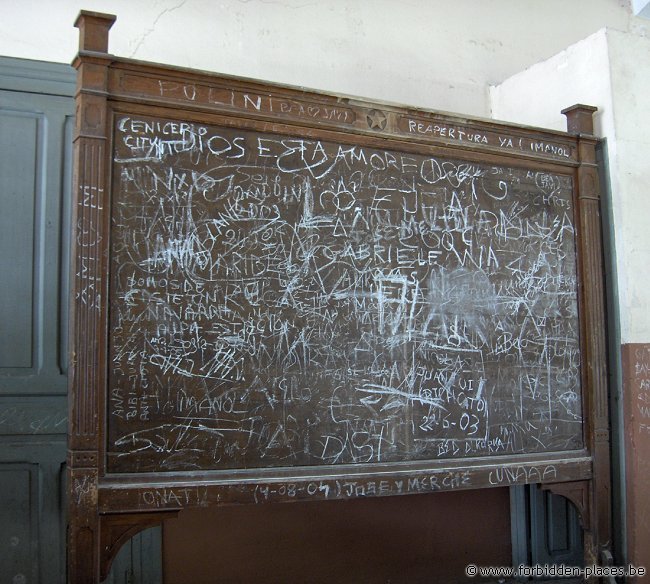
[377, 120]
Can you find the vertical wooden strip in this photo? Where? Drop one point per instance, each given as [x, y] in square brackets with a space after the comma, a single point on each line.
[636, 375]
[81, 314]
[87, 318]
[591, 222]
[598, 540]
[597, 358]
[78, 381]
[98, 241]
[88, 282]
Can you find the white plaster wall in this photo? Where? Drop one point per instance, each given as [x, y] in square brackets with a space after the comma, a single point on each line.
[611, 70]
[578, 74]
[630, 75]
[439, 54]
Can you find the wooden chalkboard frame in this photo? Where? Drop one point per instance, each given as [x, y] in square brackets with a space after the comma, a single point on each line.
[106, 509]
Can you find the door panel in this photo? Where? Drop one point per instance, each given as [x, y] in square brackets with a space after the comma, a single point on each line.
[22, 149]
[556, 535]
[32, 511]
[34, 166]
[19, 518]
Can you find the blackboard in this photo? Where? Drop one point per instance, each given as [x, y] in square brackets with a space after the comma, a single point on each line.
[279, 294]
[277, 300]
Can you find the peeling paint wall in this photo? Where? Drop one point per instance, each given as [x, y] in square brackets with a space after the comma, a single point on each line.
[438, 54]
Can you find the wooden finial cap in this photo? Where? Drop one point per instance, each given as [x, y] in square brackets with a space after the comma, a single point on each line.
[580, 118]
[93, 30]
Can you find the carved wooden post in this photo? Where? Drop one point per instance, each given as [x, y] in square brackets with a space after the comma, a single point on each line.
[594, 365]
[87, 326]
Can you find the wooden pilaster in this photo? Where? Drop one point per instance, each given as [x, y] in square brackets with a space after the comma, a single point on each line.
[88, 284]
[594, 364]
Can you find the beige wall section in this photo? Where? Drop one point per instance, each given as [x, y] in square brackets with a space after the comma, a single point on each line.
[630, 73]
[611, 70]
[578, 74]
[438, 54]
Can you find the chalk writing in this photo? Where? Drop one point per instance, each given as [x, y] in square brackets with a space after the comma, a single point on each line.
[642, 382]
[353, 488]
[513, 475]
[174, 497]
[281, 301]
[14, 419]
[484, 137]
[426, 126]
[83, 488]
[248, 101]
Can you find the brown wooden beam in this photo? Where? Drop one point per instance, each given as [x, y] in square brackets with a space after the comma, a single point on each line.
[592, 305]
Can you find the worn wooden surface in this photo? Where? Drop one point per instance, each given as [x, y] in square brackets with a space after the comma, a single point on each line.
[636, 380]
[402, 540]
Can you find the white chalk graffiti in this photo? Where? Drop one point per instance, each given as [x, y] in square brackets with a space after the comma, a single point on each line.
[285, 301]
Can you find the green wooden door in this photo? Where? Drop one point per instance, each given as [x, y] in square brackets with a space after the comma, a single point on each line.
[36, 126]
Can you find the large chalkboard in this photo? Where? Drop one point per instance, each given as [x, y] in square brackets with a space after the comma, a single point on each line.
[280, 294]
[278, 300]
